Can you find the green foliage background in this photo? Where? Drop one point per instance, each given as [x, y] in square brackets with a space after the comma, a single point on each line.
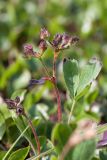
[20, 23]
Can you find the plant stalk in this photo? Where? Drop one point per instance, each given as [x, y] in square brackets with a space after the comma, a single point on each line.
[71, 112]
[58, 102]
[34, 133]
[55, 87]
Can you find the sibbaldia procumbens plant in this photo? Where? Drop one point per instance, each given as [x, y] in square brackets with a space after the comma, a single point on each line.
[70, 140]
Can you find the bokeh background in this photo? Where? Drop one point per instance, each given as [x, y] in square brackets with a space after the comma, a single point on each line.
[20, 23]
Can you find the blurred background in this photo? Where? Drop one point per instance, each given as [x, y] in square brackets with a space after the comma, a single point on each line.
[20, 23]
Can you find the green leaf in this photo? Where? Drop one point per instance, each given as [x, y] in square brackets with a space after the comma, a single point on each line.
[19, 154]
[71, 75]
[60, 135]
[88, 74]
[103, 155]
[84, 151]
[2, 154]
[84, 92]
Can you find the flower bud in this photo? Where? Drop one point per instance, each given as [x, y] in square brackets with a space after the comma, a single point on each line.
[20, 110]
[66, 41]
[42, 45]
[57, 40]
[63, 41]
[44, 33]
[28, 50]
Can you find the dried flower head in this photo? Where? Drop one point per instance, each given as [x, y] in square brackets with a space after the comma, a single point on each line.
[42, 46]
[63, 41]
[44, 33]
[15, 104]
[66, 41]
[28, 50]
[57, 41]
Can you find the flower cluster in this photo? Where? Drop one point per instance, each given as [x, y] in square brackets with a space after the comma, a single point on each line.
[59, 42]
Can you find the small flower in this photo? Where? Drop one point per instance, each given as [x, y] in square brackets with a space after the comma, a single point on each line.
[15, 104]
[66, 41]
[57, 41]
[63, 41]
[44, 33]
[43, 46]
[28, 50]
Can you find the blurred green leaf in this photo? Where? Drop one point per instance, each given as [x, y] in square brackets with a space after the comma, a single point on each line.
[84, 150]
[20, 93]
[2, 153]
[20, 154]
[103, 155]
[60, 135]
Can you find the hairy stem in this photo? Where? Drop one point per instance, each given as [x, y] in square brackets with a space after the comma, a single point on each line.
[34, 133]
[72, 107]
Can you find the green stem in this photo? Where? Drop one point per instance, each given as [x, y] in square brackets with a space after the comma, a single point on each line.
[72, 107]
[8, 152]
[41, 155]
[45, 68]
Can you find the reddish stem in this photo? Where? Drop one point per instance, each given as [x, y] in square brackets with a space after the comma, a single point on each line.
[34, 133]
[58, 102]
[55, 86]
[53, 81]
